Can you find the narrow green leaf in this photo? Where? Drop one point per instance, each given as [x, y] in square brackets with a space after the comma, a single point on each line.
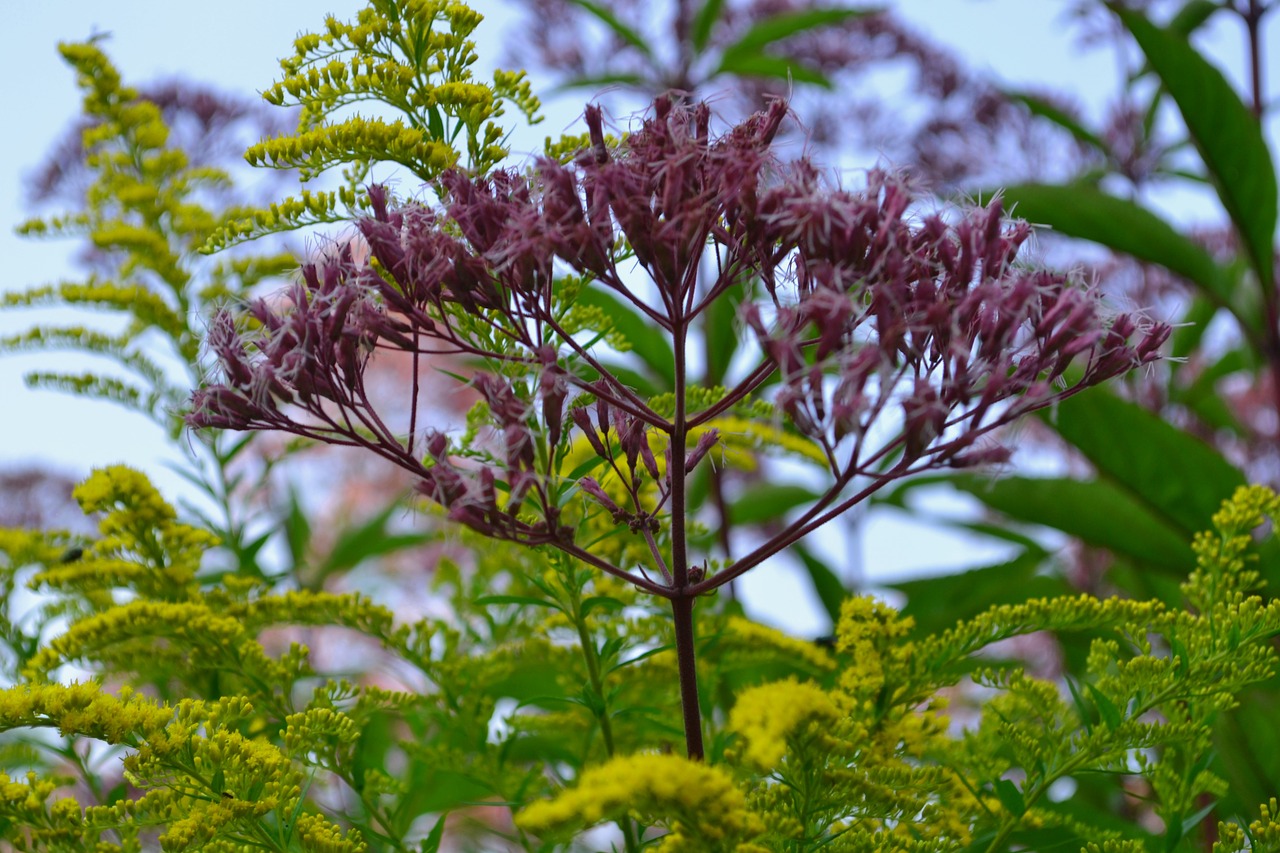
[611, 21]
[486, 600]
[1224, 130]
[779, 27]
[370, 539]
[297, 529]
[772, 67]
[656, 650]
[1173, 475]
[1047, 110]
[1086, 212]
[702, 24]
[431, 844]
[596, 81]
[600, 602]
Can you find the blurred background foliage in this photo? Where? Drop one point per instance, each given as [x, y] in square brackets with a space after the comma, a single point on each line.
[1143, 466]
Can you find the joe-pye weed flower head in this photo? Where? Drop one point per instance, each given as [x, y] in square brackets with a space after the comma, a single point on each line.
[928, 330]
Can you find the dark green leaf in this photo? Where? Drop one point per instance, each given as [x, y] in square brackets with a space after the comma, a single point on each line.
[431, 844]
[1224, 130]
[1097, 512]
[1107, 710]
[370, 539]
[826, 584]
[1171, 474]
[1193, 15]
[938, 603]
[771, 67]
[767, 502]
[1010, 797]
[702, 24]
[1086, 212]
[611, 21]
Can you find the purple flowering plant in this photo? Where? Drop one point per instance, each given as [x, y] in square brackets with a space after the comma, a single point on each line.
[888, 341]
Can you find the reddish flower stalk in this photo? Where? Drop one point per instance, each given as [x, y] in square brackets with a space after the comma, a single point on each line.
[899, 345]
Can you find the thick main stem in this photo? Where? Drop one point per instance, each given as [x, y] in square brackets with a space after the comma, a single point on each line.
[682, 614]
[681, 601]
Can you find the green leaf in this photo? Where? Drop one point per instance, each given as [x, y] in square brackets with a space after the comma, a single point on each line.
[297, 529]
[938, 603]
[1010, 797]
[1086, 212]
[1048, 110]
[647, 340]
[486, 600]
[1225, 131]
[768, 502]
[431, 844]
[611, 21]
[370, 539]
[1193, 15]
[1096, 512]
[779, 27]
[702, 24]
[826, 584]
[600, 602]
[1175, 476]
[1107, 710]
[774, 67]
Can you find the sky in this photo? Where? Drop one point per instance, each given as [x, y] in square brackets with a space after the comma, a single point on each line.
[234, 45]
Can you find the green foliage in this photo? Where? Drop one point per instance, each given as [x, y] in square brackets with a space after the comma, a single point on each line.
[561, 683]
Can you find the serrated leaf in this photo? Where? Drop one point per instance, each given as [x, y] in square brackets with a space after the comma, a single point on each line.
[1224, 130]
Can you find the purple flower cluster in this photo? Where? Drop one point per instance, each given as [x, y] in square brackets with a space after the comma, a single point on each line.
[897, 342]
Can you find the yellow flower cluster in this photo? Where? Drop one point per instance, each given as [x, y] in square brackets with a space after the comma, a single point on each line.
[414, 56]
[700, 804]
[767, 716]
[873, 636]
[746, 637]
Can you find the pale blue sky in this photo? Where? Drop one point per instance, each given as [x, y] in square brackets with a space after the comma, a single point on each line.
[234, 45]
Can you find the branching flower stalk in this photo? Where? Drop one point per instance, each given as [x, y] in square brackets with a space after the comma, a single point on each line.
[889, 344]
